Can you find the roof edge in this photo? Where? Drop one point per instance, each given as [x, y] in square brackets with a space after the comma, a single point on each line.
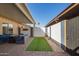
[24, 10]
[62, 13]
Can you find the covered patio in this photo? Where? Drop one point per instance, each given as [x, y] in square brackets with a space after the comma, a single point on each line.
[13, 22]
[19, 50]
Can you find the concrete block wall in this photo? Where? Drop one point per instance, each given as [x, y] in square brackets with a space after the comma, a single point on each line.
[39, 31]
[73, 33]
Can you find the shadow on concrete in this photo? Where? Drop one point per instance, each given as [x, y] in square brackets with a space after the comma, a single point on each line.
[72, 52]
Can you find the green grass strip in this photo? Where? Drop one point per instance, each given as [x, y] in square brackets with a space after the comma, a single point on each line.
[39, 44]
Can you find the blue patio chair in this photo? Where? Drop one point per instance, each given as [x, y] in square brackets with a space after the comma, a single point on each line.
[4, 38]
[20, 40]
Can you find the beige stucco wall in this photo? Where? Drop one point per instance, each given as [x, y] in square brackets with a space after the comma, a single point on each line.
[6, 20]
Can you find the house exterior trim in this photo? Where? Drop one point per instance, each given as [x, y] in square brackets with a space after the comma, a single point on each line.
[58, 17]
[25, 11]
[65, 35]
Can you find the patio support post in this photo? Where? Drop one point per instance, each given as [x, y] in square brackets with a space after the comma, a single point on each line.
[33, 29]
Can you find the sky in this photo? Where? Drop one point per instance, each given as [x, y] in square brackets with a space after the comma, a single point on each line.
[44, 12]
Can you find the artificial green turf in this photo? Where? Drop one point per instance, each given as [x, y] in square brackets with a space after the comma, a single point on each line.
[39, 44]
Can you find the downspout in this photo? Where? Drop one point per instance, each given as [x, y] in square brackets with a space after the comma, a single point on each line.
[50, 32]
[45, 31]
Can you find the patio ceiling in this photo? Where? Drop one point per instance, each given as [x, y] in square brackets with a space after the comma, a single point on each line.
[16, 12]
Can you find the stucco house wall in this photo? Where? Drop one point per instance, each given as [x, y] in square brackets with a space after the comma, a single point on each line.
[9, 21]
[67, 35]
[15, 26]
[55, 32]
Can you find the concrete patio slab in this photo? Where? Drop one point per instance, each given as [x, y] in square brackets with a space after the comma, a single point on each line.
[19, 50]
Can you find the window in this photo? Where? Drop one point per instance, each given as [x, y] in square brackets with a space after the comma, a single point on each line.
[7, 28]
[10, 29]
